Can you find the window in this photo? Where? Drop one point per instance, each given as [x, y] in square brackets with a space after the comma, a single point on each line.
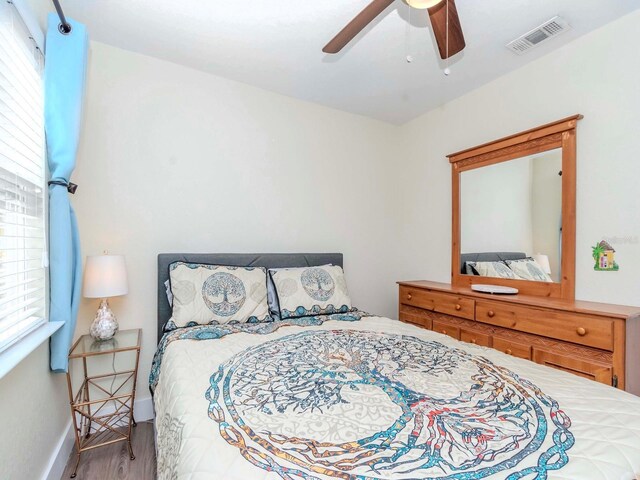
[22, 181]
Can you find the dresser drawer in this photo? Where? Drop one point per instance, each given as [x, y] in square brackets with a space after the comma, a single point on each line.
[450, 330]
[571, 327]
[476, 338]
[408, 314]
[510, 347]
[438, 302]
[583, 368]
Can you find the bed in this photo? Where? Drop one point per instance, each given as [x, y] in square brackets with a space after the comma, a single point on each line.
[356, 396]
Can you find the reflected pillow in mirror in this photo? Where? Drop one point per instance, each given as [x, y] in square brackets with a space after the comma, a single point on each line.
[528, 269]
[493, 269]
[468, 268]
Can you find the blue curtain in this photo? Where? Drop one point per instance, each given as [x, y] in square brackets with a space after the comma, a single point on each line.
[64, 78]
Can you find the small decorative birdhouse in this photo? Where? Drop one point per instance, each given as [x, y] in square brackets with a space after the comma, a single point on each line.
[603, 254]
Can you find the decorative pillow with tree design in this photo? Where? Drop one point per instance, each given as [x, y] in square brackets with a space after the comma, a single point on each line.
[311, 291]
[204, 294]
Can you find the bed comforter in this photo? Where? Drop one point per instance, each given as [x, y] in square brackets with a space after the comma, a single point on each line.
[373, 398]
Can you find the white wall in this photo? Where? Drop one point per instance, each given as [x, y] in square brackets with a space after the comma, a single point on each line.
[546, 214]
[496, 208]
[175, 160]
[588, 76]
[34, 416]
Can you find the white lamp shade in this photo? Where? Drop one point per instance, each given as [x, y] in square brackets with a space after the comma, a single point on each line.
[543, 261]
[105, 276]
[422, 4]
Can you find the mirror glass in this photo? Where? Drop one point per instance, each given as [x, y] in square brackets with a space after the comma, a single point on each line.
[513, 207]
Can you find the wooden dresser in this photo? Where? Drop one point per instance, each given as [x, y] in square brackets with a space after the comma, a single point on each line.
[594, 340]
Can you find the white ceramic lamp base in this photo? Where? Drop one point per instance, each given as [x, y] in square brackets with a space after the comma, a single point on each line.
[105, 325]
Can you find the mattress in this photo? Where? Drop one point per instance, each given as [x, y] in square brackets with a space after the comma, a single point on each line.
[363, 397]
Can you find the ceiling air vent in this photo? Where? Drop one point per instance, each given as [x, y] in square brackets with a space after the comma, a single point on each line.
[535, 37]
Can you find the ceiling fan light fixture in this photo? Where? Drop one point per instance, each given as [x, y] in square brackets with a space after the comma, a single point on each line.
[423, 4]
[443, 16]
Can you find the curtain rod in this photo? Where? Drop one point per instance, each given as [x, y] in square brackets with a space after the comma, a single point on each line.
[64, 27]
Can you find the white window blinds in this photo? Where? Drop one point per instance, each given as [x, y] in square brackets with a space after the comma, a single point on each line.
[22, 181]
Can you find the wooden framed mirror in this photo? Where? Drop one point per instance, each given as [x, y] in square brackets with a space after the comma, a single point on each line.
[514, 212]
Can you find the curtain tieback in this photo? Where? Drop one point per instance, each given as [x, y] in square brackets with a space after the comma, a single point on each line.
[71, 187]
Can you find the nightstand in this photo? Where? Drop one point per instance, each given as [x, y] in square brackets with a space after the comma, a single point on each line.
[102, 389]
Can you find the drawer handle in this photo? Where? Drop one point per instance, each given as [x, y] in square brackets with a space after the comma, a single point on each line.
[581, 331]
[491, 314]
[508, 351]
[444, 332]
[458, 307]
[409, 296]
[473, 340]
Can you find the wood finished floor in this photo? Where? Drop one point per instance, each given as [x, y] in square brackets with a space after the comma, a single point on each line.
[112, 462]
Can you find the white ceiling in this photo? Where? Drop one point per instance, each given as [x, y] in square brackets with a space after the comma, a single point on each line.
[276, 44]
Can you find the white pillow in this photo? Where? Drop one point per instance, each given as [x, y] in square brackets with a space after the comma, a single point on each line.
[311, 291]
[204, 294]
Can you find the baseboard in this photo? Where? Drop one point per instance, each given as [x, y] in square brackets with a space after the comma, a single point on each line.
[60, 455]
[143, 411]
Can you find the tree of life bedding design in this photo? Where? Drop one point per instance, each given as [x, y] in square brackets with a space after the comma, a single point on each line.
[311, 291]
[363, 405]
[207, 294]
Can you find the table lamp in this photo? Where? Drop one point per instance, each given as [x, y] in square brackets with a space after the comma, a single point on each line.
[543, 261]
[104, 276]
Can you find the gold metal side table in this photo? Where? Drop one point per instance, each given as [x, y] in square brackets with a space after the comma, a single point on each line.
[103, 389]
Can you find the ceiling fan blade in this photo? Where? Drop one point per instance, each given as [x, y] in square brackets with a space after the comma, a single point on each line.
[355, 26]
[438, 17]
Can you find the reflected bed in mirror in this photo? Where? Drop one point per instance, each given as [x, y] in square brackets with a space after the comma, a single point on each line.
[513, 206]
[514, 212]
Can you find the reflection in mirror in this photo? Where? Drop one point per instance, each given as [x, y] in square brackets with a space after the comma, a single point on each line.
[509, 208]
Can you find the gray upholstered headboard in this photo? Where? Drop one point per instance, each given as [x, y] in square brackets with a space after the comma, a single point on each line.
[266, 260]
[488, 257]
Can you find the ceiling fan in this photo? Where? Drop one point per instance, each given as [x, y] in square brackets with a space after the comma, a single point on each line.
[442, 13]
